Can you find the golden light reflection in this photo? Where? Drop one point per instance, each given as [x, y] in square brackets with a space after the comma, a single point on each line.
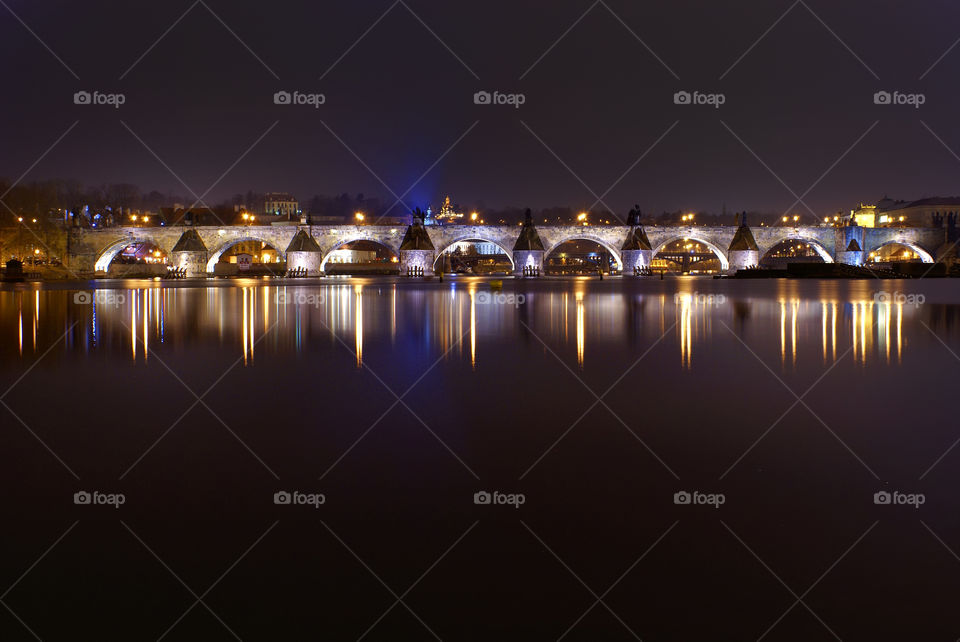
[833, 329]
[783, 332]
[20, 321]
[823, 313]
[793, 330]
[899, 330]
[146, 325]
[853, 325]
[686, 331]
[133, 324]
[244, 331]
[358, 321]
[473, 329]
[580, 330]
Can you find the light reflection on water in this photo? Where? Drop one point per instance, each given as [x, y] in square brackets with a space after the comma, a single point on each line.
[450, 319]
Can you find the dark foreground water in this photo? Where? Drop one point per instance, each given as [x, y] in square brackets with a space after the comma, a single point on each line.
[694, 467]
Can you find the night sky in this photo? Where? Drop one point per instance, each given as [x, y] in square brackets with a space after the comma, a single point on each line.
[400, 98]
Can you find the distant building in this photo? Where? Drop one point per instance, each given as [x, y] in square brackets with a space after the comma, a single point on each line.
[281, 204]
[888, 212]
[447, 212]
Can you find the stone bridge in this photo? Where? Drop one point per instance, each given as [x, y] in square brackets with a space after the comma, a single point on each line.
[198, 249]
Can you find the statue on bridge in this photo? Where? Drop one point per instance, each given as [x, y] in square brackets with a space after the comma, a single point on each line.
[418, 215]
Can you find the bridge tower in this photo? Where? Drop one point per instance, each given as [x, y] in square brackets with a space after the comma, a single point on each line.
[743, 252]
[636, 250]
[528, 251]
[849, 240]
[304, 252]
[190, 253]
[417, 252]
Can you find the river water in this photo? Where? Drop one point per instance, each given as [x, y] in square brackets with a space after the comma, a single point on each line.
[695, 454]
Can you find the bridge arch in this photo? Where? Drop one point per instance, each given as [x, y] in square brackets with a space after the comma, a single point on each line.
[111, 251]
[817, 246]
[216, 254]
[477, 239]
[328, 253]
[614, 252]
[924, 255]
[721, 255]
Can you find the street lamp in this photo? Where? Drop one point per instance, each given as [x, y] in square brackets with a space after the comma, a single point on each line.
[359, 216]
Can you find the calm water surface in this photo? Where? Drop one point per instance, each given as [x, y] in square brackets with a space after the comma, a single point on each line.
[782, 407]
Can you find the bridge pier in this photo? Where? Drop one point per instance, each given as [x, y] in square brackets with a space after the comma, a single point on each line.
[743, 252]
[528, 251]
[304, 253]
[636, 260]
[850, 245]
[190, 254]
[636, 252]
[527, 259]
[417, 260]
[417, 252]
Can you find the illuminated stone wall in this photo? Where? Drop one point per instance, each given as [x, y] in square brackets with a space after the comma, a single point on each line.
[742, 259]
[194, 262]
[417, 259]
[636, 259]
[309, 260]
[527, 258]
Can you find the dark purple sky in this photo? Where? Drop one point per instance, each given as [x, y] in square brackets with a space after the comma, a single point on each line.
[399, 99]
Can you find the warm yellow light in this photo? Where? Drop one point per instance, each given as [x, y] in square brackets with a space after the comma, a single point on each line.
[902, 218]
[473, 216]
[133, 217]
[34, 220]
[359, 216]
[265, 258]
[582, 216]
[146, 219]
[796, 218]
[36, 251]
[826, 220]
[20, 219]
[784, 219]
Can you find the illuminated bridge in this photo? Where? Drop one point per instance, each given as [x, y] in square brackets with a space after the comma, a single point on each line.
[197, 250]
